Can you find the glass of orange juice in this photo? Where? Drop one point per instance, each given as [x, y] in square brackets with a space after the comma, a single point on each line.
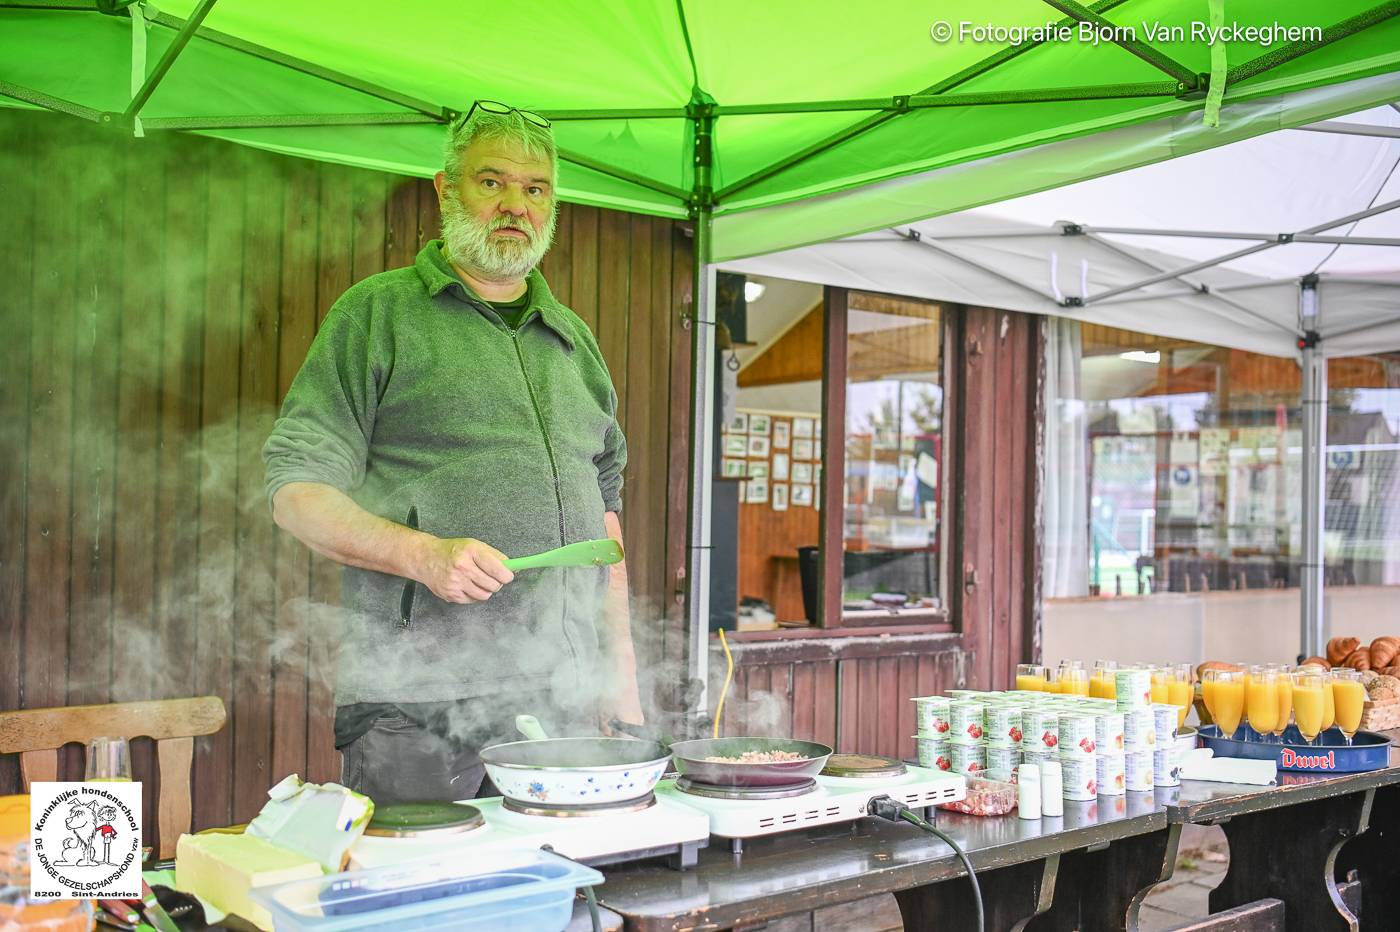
[1261, 699]
[1309, 686]
[1285, 698]
[1329, 706]
[1180, 691]
[1226, 691]
[1349, 698]
[1101, 682]
[1074, 680]
[1030, 676]
[1161, 677]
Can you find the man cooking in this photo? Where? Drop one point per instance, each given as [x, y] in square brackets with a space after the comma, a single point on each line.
[450, 415]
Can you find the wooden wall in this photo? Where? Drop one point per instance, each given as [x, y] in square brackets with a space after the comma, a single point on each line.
[158, 296]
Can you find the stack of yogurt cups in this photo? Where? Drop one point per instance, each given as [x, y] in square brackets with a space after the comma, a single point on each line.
[1134, 701]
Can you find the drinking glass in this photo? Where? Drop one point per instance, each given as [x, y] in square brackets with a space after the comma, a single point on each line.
[1102, 684]
[1226, 699]
[1349, 697]
[1074, 680]
[1261, 700]
[1284, 674]
[1031, 676]
[108, 761]
[1329, 706]
[1180, 691]
[1308, 703]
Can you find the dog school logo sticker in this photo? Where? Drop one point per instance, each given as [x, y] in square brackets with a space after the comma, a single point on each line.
[85, 840]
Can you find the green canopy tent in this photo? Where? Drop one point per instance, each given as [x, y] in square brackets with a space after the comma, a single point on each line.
[770, 125]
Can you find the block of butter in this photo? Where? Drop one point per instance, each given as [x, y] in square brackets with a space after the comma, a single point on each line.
[221, 869]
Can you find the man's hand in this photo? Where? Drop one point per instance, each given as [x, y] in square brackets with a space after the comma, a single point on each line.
[463, 570]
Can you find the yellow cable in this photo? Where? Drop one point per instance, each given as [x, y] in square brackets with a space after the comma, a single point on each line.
[728, 676]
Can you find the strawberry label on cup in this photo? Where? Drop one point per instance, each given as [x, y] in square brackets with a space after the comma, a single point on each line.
[1004, 724]
[1076, 734]
[931, 713]
[966, 719]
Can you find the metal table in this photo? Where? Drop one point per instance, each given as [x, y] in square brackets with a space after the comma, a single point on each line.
[1089, 870]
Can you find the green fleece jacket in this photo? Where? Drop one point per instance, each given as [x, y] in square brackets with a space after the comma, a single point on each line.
[415, 393]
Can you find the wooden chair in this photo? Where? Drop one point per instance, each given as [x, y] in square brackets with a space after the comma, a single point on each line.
[37, 734]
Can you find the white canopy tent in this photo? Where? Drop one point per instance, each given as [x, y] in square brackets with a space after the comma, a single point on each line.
[1284, 244]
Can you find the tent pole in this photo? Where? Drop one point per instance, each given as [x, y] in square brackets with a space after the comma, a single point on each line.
[702, 413]
[1314, 404]
[172, 52]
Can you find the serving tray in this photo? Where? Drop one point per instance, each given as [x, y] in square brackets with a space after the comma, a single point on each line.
[1331, 754]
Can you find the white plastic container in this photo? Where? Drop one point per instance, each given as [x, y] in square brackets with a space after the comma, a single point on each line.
[1133, 688]
[1166, 765]
[1164, 719]
[1028, 791]
[970, 759]
[933, 753]
[1111, 773]
[1081, 782]
[1076, 734]
[1138, 771]
[1052, 789]
[931, 715]
[1108, 732]
[1139, 730]
[1040, 729]
[967, 719]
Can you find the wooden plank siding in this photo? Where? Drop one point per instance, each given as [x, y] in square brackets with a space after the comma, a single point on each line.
[155, 316]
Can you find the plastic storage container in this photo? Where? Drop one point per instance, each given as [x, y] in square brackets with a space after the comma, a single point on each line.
[985, 798]
[528, 890]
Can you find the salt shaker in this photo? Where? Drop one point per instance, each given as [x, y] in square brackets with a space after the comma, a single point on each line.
[1028, 791]
[1052, 778]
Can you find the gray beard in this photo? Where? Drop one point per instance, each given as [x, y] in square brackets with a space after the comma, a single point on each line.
[469, 243]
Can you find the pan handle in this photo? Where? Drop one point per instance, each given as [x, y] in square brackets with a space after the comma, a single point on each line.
[639, 731]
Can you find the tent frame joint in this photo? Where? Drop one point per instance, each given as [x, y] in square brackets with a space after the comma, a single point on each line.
[1072, 229]
[1310, 339]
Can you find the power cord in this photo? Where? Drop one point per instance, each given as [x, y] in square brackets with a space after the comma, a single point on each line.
[886, 808]
[593, 908]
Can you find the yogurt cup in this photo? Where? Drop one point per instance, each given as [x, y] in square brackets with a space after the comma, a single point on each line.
[931, 714]
[1164, 718]
[1003, 758]
[1037, 755]
[1138, 771]
[934, 753]
[1110, 770]
[1081, 781]
[1076, 735]
[1166, 765]
[968, 759]
[1108, 732]
[967, 720]
[1040, 729]
[1003, 723]
[1139, 730]
[1133, 688]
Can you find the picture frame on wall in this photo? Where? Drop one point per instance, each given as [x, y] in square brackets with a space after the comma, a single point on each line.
[817, 430]
[739, 424]
[736, 445]
[801, 472]
[782, 434]
[802, 449]
[757, 493]
[733, 469]
[780, 496]
[758, 447]
[802, 427]
[780, 467]
[758, 469]
[759, 424]
[802, 495]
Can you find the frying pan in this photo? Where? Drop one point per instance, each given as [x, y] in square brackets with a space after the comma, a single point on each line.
[574, 771]
[690, 758]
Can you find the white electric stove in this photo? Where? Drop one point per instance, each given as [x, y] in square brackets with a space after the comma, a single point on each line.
[663, 828]
[739, 815]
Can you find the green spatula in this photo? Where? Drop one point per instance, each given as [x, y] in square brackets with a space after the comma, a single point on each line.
[585, 553]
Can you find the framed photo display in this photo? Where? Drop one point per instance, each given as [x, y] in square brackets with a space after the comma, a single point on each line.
[782, 434]
[736, 445]
[780, 496]
[801, 449]
[759, 424]
[758, 446]
[739, 424]
[802, 427]
[758, 469]
[802, 472]
[733, 469]
[757, 493]
[802, 495]
[780, 467]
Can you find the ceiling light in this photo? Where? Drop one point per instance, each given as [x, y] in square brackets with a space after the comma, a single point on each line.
[753, 291]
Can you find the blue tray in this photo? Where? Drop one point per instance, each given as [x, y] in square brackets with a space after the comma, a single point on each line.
[1331, 754]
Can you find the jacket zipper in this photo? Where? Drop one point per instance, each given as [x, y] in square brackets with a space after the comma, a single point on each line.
[544, 432]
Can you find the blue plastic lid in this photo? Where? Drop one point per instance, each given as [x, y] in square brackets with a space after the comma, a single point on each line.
[386, 897]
